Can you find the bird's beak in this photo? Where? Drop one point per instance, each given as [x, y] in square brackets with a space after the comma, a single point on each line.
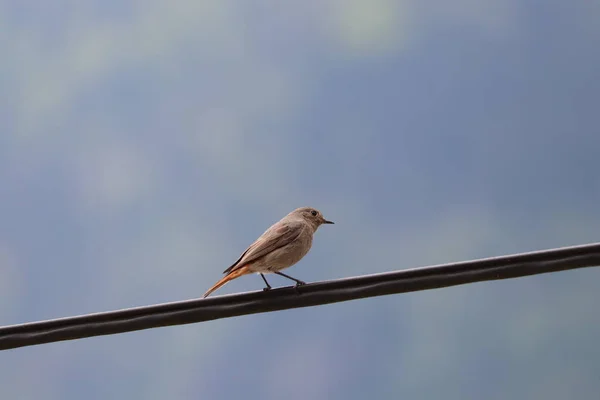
[327, 222]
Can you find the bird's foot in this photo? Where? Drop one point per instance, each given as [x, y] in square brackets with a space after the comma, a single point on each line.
[297, 286]
[267, 288]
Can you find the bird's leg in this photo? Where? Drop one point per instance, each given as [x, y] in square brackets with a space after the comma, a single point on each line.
[267, 283]
[298, 281]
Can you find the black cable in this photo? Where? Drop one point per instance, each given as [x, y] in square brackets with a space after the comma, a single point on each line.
[409, 280]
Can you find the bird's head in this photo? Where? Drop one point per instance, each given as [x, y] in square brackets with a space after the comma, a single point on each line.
[311, 215]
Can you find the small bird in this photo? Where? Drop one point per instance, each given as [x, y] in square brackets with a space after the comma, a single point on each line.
[280, 247]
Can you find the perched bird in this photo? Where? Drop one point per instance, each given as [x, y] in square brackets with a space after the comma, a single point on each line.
[280, 247]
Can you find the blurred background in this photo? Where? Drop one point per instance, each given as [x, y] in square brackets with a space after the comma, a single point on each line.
[145, 144]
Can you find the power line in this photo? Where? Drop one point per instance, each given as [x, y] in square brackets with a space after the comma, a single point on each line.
[199, 310]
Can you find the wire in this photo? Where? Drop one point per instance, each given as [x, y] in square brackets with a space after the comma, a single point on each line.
[199, 310]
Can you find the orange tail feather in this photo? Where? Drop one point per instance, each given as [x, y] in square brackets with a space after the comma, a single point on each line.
[232, 275]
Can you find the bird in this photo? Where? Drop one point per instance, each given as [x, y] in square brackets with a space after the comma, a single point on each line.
[282, 245]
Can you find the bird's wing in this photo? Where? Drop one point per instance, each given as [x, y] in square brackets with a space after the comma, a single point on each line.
[278, 235]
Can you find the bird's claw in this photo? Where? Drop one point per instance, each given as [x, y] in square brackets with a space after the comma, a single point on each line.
[266, 289]
[297, 285]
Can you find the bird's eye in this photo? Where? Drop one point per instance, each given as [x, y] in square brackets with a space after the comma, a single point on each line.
[314, 213]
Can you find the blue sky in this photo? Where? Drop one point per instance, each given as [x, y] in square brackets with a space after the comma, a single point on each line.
[144, 145]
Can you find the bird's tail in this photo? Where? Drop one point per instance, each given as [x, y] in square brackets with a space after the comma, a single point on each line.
[232, 275]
